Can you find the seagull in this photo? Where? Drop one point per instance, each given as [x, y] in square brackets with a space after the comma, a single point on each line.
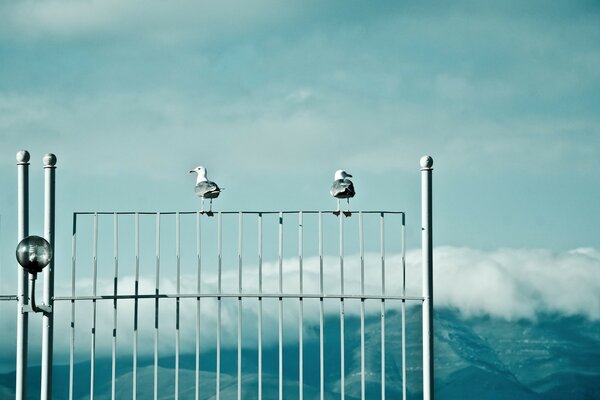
[342, 188]
[205, 189]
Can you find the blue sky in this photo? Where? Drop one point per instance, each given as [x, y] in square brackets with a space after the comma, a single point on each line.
[273, 98]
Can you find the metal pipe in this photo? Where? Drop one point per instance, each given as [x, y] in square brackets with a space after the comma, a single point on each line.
[427, 262]
[219, 265]
[342, 320]
[135, 303]
[113, 384]
[260, 308]
[72, 330]
[22, 283]
[321, 313]
[198, 290]
[239, 330]
[94, 307]
[177, 301]
[300, 310]
[156, 305]
[362, 306]
[382, 251]
[49, 161]
[280, 319]
[403, 241]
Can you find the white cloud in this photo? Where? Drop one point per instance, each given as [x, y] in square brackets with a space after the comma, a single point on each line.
[504, 283]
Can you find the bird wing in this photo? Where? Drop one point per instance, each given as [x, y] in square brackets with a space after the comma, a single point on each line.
[342, 188]
[207, 189]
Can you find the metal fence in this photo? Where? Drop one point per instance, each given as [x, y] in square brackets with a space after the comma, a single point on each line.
[201, 250]
[262, 221]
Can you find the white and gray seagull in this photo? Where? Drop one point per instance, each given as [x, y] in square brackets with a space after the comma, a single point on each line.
[205, 189]
[342, 188]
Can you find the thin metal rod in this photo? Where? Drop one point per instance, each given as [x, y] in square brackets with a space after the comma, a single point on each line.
[219, 265]
[48, 318]
[403, 242]
[321, 313]
[280, 319]
[239, 330]
[362, 306]
[177, 301]
[72, 330]
[382, 243]
[94, 306]
[427, 260]
[335, 296]
[135, 303]
[260, 305]
[115, 291]
[156, 305]
[198, 289]
[342, 319]
[300, 310]
[22, 281]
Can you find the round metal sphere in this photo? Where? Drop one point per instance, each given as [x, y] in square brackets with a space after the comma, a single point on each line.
[49, 160]
[34, 253]
[22, 156]
[426, 162]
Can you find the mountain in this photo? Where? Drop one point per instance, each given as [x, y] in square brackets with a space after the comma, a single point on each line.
[551, 357]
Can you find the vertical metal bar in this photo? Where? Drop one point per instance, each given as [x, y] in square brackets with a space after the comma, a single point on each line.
[382, 243]
[260, 308]
[427, 254]
[321, 313]
[239, 330]
[156, 305]
[115, 290]
[135, 302]
[94, 292]
[178, 301]
[48, 318]
[280, 319]
[22, 281]
[362, 305]
[403, 240]
[300, 310]
[342, 322]
[219, 261]
[198, 290]
[72, 330]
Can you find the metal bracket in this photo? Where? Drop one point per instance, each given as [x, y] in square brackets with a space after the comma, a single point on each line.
[43, 309]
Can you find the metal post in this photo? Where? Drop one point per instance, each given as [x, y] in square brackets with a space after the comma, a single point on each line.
[427, 254]
[47, 318]
[22, 285]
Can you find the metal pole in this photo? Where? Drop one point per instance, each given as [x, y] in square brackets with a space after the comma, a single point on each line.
[427, 254]
[22, 284]
[47, 318]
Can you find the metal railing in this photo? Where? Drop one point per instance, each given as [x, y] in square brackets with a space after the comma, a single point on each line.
[296, 218]
[99, 292]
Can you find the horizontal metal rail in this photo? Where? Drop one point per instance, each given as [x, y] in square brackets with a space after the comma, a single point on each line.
[242, 295]
[229, 212]
[8, 297]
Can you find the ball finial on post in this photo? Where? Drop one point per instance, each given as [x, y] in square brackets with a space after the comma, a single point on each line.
[49, 160]
[22, 157]
[426, 162]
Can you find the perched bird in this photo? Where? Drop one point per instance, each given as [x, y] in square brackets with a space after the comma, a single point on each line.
[205, 189]
[342, 188]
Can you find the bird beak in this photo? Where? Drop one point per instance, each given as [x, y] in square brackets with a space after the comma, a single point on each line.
[192, 171]
[349, 175]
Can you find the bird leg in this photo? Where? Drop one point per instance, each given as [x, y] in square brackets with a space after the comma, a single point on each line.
[347, 213]
[202, 208]
[210, 213]
[337, 211]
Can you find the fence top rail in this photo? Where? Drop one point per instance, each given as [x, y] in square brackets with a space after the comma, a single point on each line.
[230, 212]
[361, 297]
